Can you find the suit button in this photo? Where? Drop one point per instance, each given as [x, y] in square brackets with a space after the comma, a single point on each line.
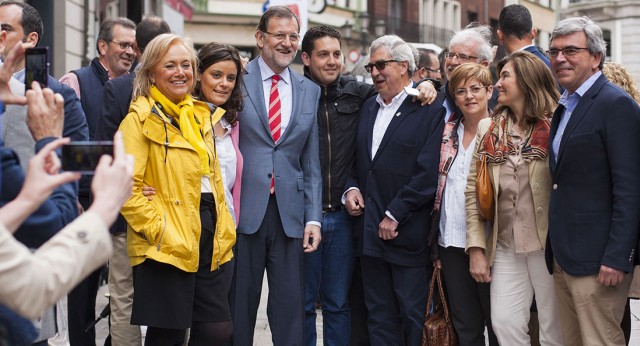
[539, 210]
[269, 175]
[370, 172]
[275, 149]
[555, 186]
[369, 198]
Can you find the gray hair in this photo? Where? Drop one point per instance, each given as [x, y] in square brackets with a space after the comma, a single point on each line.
[480, 34]
[595, 40]
[398, 49]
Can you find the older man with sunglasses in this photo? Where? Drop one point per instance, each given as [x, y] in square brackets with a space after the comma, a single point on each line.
[391, 193]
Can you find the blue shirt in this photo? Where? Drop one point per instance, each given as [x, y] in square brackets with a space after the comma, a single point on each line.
[570, 102]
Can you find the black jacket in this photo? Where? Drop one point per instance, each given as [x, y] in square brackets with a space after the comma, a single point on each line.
[338, 114]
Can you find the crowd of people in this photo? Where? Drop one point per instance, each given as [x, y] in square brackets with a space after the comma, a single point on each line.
[346, 194]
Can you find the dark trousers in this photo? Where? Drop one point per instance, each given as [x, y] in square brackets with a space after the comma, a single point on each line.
[396, 298]
[359, 315]
[81, 304]
[469, 301]
[282, 257]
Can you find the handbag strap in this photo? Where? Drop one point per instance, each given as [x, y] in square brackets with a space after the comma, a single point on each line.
[443, 299]
[436, 270]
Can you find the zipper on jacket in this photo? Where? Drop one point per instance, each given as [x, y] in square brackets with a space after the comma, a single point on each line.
[326, 113]
[164, 227]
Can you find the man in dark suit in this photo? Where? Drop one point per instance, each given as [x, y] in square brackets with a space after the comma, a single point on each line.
[281, 202]
[392, 191]
[517, 32]
[117, 97]
[594, 210]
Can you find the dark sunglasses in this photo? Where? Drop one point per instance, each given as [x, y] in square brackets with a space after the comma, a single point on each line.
[379, 65]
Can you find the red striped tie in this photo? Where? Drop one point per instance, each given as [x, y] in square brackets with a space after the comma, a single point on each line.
[274, 117]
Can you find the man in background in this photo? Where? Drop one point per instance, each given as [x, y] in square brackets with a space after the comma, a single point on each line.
[428, 66]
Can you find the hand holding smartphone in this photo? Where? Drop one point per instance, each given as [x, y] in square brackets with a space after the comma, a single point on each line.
[83, 156]
[36, 66]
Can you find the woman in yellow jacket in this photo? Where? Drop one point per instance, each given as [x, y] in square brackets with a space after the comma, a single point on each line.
[515, 142]
[180, 241]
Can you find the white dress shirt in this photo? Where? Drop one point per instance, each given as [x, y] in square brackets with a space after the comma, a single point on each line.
[384, 117]
[228, 161]
[453, 226]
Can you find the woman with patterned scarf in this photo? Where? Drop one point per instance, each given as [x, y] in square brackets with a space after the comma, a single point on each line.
[471, 85]
[515, 144]
[179, 239]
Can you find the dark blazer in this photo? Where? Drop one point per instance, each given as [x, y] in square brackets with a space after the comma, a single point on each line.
[401, 178]
[56, 211]
[535, 51]
[594, 210]
[117, 98]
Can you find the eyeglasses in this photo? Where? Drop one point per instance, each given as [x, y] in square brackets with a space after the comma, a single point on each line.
[123, 45]
[567, 51]
[475, 90]
[293, 38]
[460, 56]
[379, 65]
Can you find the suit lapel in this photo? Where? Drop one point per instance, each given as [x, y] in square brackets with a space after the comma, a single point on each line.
[255, 94]
[371, 119]
[407, 107]
[555, 121]
[297, 94]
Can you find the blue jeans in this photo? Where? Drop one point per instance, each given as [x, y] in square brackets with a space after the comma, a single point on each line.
[328, 273]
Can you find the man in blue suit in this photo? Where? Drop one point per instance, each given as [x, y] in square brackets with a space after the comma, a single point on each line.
[391, 192]
[281, 202]
[594, 211]
[517, 32]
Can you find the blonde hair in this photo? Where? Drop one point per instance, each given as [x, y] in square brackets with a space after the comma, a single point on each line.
[469, 71]
[153, 55]
[619, 75]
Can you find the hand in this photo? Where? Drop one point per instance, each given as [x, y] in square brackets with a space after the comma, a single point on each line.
[354, 202]
[45, 112]
[7, 70]
[112, 182]
[478, 265]
[609, 276]
[428, 93]
[387, 230]
[148, 191]
[311, 238]
[43, 174]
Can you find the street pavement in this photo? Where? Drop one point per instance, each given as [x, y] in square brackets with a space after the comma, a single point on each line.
[263, 333]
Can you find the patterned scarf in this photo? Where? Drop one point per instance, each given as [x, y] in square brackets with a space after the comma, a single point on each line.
[496, 144]
[189, 122]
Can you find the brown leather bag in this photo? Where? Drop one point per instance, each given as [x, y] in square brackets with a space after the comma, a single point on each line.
[438, 328]
[484, 191]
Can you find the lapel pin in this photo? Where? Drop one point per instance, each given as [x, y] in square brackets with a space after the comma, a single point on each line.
[398, 114]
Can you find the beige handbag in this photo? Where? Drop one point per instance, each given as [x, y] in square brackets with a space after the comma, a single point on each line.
[484, 191]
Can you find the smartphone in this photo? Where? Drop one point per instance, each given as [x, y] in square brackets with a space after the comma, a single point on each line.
[83, 157]
[36, 66]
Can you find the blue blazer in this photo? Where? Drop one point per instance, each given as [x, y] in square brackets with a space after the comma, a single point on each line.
[594, 210]
[401, 178]
[535, 51]
[294, 159]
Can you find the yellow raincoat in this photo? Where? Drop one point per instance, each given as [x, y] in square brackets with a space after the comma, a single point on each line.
[167, 228]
